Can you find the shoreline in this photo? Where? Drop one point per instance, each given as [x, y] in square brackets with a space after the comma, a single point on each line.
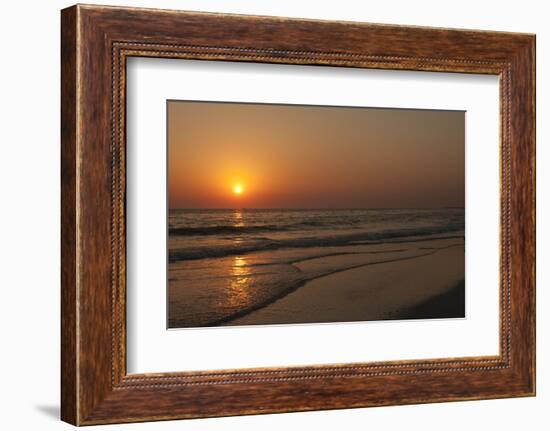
[176, 255]
[363, 282]
[428, 285]
[303, 283]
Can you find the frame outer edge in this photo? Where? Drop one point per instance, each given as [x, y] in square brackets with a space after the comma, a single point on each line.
[532, 82]
[69, 197]
[523, 217]
[533, 53]
[529, 62]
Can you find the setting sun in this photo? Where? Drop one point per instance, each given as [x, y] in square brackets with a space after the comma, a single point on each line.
[238, 189]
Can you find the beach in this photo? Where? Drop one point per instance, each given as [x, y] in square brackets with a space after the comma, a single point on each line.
[287, 267]
[414, 286]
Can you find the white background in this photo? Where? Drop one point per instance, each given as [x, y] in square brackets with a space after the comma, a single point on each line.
[151, 348]
[29, 225]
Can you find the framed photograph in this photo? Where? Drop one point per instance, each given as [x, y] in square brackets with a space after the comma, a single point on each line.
[264, 215]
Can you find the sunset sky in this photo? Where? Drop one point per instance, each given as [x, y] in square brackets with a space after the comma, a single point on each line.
[232, 155]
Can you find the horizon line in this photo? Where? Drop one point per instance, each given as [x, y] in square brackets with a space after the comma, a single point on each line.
[314, 208]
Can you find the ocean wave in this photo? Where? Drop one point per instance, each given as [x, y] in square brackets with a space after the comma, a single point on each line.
[229, 223]
[264, 244]
[236, 229]
[221, 229]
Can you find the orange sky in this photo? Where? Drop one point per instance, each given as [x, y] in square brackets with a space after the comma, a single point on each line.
[290, 156]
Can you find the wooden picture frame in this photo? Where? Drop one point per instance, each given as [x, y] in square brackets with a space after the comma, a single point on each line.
[95, 43]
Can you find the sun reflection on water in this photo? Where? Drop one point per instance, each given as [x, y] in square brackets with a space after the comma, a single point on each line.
[239, 294]
[238, 219]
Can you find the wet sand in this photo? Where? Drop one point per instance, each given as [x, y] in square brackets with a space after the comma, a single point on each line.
[451, 303]
[427, 284]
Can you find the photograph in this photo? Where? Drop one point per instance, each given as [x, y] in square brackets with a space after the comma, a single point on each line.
[292, 214]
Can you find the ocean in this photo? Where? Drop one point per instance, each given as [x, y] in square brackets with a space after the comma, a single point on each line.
[224, 265]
